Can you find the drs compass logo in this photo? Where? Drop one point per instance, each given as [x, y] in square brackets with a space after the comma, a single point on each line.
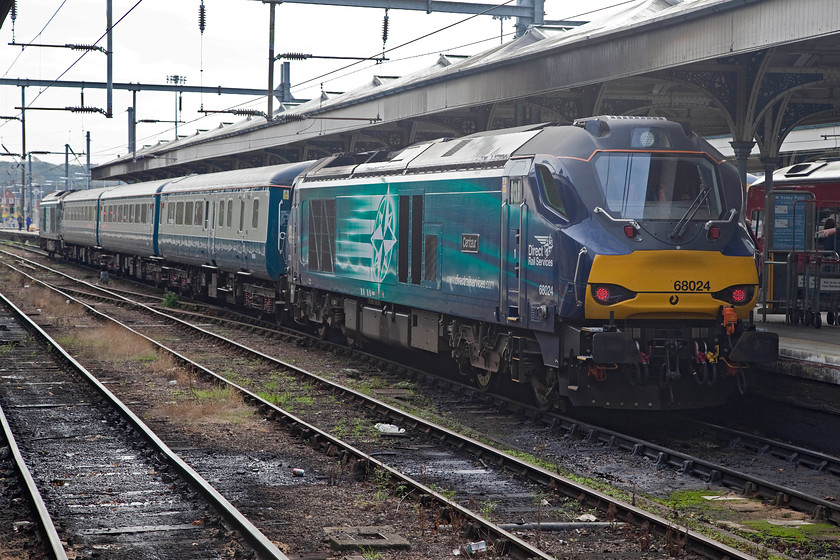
[383, 238]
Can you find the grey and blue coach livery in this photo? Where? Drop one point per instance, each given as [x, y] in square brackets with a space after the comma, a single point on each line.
[604, 263]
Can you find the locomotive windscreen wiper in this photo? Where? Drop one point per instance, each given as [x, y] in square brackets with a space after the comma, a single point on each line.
[679, 229]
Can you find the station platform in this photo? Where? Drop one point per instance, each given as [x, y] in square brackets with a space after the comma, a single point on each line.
[805, 352]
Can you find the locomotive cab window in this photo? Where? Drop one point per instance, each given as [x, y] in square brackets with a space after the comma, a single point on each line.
[646, 186]
[550, 191]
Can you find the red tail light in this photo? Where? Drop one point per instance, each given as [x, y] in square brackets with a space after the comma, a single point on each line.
[630, 231]
[609, 294]
[714, 233]
[602, 293]
[736, 295]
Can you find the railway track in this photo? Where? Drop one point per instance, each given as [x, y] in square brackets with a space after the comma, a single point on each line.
[101, 482]
[486, 456]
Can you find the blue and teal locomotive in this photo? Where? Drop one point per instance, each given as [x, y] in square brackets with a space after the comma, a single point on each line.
[604, 263]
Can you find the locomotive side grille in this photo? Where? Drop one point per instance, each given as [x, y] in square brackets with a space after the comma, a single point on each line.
[430, 270]
[322, 235]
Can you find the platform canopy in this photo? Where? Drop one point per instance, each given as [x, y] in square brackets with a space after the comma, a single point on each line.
[752, 70]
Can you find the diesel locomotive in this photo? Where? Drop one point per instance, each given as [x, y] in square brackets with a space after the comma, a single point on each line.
[604, 263]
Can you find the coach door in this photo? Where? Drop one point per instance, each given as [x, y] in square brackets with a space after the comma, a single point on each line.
[513, 216]
[210, 226]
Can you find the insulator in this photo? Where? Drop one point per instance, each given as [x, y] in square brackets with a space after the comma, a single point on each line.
[248, 112]
[295, 56]
[202, 17]
[14, 10]
[385, 28]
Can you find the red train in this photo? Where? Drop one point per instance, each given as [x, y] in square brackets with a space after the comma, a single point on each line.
[803, 273]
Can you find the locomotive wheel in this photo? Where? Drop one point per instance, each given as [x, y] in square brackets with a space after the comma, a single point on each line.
[352, 339]
[487, 381]
[543, 394]
[321, 330]
[741, 379]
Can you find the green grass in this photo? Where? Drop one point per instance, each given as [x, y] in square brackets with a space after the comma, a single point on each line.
[170, 299]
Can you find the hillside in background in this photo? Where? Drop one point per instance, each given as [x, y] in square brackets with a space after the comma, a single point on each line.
[47, 176]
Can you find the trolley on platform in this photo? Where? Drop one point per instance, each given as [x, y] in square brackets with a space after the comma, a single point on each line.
[813, 287]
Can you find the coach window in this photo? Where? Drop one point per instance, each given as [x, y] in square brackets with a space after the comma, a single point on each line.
[188, 213]
[221, 213]
[255, 214]
[198, 215]
[179, 213]
[125, 212]
[170, 218]
[230, 213]
[241, 215]
[131, 214]
[137, 213]
[144, 213]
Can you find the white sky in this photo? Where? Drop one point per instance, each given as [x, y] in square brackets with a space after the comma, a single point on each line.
[161, 38]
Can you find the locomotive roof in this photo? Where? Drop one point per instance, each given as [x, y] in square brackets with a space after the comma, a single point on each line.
[494, 148]
[485, 149]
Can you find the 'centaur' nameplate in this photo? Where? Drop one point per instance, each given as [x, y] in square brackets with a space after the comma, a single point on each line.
[469, 243]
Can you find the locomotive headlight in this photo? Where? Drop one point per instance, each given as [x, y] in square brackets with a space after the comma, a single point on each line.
[609, 294]
[736, 295]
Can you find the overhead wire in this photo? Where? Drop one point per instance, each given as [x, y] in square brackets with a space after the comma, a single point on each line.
[45, 88]
[81, 56]
[23, 48]
[373, 57]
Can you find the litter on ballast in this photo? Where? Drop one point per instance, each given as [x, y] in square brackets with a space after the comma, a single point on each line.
[389, 429]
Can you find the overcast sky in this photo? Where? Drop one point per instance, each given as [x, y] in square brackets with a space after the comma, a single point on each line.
[154, 39]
